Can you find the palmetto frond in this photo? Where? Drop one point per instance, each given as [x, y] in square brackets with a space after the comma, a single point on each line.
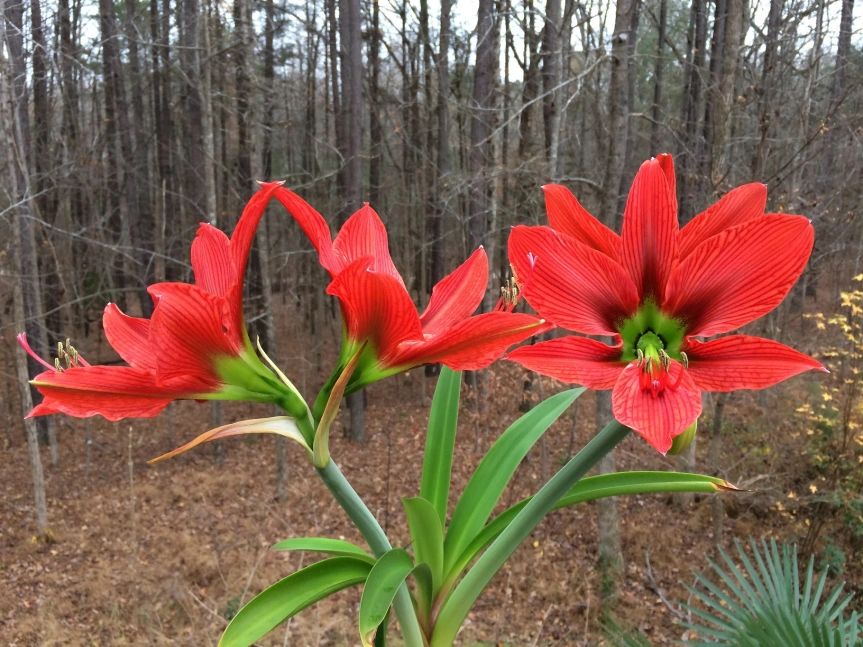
[763, 603]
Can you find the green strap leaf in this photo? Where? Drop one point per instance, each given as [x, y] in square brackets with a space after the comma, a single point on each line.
[325, 545]
[440, 441]
[427, 538]
[385, 578]
[495, 470]
[589, 489]
[289, 596]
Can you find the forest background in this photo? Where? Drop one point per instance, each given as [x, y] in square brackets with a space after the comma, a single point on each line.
[124, 124]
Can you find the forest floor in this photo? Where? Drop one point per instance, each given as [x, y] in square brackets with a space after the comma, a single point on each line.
[164, 555]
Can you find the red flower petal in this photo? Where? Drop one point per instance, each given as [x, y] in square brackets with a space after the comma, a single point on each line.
[129, 336]
[241, 244]
[666, 163]
[569, 283]
[574, 360]
[649, 247]
[734, 208]
[656, 419]
[115, 392]
[313, 225]
[212, 261]
[471, 344]
[566, 214]
[457, 295]
[375, 307]
[364, 236]
[244, 232]
[189, 332]
[740, 274]
[743, 362]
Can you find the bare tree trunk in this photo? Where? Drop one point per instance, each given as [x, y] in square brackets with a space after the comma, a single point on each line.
[840, 81]
[209, 157]
[610, 554]
[41, 113]
[27, 300]
[34, 319]
[484, 85]
[139, 160]
[263, 236]
[551, 79]
[686, 160]
[442, 181]
[376, 135]
[162, 119]
[194, 153]
[766, 107]
[242, 50]
[352, 89]
[123, 130]
[658, 75]
[724, 95]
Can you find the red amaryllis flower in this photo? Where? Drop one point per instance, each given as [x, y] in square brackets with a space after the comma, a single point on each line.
[195, 346]
[379, 315]
[653, 289]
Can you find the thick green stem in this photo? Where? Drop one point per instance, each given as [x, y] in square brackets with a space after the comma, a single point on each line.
[378, 542]
[456, 608]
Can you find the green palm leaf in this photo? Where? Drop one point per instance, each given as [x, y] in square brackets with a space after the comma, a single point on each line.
[761, 602]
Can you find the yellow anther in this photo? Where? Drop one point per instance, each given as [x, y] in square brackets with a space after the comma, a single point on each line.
[684, 359]
[647, 363]
[509, 292]
[640, 354]
[57, 366]
[664, 359]
[514, 279]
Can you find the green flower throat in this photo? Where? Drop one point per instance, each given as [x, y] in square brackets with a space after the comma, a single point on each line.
[650, 331]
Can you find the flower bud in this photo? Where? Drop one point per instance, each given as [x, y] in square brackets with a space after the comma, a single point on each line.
[682, 442]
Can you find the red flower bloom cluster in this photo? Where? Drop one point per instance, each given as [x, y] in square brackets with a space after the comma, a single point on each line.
[195, 346]
[653, 290]
[378, 311]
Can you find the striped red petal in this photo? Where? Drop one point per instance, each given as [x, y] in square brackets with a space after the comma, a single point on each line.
[569, 283]
[364, 236]
[649, 237]
[114, 392]
[189, 332]
[744, 362]
[129, 336]
[469, 345]
[313, 225]
[212, 261]
[666, 163]
[457, 295]
[574, 360]
[244, 232]
[657, 419]
[740, 274]
[566, 214]
[734, 208]
[375, 307]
